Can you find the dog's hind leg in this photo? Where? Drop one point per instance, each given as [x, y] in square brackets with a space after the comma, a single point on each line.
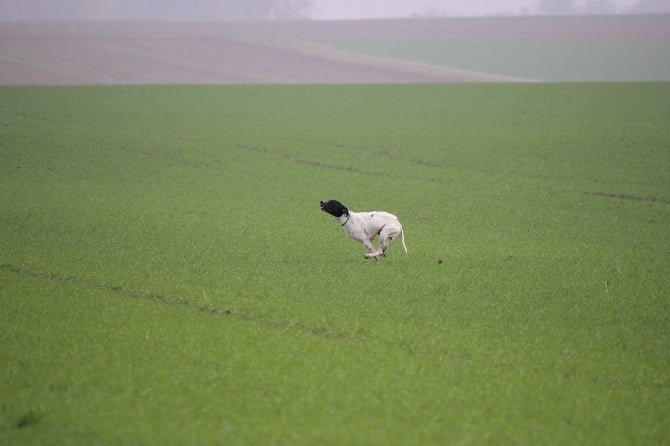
[386, 236]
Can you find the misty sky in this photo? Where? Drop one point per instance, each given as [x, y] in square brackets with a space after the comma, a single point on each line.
[357, 9]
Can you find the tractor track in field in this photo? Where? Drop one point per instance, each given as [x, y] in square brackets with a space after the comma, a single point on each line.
[330, 166]
[276, 324]
[630, 197]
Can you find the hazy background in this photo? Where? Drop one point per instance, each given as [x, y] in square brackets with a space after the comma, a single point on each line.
[212, 10]
[357, 9]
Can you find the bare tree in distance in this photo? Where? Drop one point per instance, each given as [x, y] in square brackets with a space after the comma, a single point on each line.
[162, 10]
[556, 7]
[651, 7]
[599, 7]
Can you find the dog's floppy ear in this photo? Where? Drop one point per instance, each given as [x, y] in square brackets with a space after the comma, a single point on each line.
[334, 208]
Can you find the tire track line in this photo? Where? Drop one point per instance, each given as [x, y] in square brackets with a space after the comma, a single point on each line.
[318, 164]
[276, 324]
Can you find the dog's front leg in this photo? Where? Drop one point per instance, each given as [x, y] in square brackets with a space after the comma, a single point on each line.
[372, 252]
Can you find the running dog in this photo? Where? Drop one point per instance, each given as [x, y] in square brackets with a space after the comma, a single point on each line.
[365, 226]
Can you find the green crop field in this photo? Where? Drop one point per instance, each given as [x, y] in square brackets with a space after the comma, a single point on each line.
[553, 49]
[166, 276]
[552, 60]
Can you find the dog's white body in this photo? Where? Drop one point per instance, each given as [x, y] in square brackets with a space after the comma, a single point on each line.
[365, 226]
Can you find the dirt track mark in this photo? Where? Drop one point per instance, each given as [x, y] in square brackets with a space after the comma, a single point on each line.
[180, 302]
[629, 197]
[292, 159]
[275, 324]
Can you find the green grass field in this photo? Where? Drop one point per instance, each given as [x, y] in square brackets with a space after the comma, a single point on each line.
[166, 276]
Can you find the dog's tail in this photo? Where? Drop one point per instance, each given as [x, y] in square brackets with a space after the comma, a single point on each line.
[402, 239]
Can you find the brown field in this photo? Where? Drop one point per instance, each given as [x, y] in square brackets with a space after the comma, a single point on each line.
[280, 52]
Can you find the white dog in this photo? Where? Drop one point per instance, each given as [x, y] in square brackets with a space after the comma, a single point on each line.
[364, 226]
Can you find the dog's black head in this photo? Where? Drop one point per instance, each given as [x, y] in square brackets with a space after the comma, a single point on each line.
[334, 208]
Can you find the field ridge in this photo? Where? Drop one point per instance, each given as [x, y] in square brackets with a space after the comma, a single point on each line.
[419, 70]
[374, 51]
[127, 53]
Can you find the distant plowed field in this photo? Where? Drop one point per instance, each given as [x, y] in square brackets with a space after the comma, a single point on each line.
[399, 51]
